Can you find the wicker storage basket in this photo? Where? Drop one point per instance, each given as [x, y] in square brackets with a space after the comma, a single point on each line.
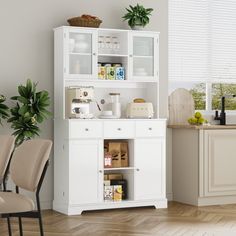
[83, 22]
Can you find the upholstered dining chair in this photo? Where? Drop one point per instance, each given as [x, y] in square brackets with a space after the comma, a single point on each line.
[27, 170]
[6, 149]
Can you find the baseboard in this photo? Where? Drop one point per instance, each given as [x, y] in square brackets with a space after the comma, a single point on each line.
[169, 196]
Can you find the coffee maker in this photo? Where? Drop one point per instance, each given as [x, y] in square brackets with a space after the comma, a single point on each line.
[79, 101]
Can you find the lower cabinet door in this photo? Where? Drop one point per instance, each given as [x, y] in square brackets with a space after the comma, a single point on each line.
[219, 162]
[149, 174]
[85, 165]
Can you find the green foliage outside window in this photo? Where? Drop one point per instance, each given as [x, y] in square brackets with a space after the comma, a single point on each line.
[199, 96]
[218, 90]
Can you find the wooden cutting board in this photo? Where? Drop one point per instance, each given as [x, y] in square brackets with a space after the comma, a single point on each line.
[181, 106]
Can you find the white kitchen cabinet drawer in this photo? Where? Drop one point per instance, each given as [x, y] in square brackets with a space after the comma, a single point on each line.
[86, 129]
[150, 129]
[119, 129]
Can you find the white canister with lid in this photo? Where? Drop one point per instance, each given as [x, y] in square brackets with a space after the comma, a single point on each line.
[115, 104]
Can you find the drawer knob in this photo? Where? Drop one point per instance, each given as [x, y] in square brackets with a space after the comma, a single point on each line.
[86, 129]
[149, 128]
[119, 129]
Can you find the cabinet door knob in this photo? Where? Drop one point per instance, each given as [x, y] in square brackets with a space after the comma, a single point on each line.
[119, 129]
[149, 128]
[100, 171]
[130, 55]
[138, 169]
[86, 129]
[94, 54]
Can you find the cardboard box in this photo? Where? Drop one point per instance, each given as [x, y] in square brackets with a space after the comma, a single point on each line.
[105, 177]
[107, 182]
[115, 176]
[124, 154]
[108, 193]
[117, 192]
[123, 183]
[115, 150]
[107, 160]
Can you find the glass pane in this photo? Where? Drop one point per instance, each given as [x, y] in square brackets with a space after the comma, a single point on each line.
[143, 46]
[80, 64]
[143, 66]
[219, 90]
[198, 91]
[80, 43]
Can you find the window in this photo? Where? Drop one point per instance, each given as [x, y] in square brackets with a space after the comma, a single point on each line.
[202, 50]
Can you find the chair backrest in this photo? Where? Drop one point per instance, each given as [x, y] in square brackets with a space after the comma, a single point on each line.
[28, 162]
[6, 148]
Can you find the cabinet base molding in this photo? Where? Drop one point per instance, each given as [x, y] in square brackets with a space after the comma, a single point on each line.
[209, 201]
[76, 209]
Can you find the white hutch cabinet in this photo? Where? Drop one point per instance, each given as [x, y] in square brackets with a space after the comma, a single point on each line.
[79, 143]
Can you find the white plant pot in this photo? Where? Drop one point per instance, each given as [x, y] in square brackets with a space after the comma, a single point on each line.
[137, 27]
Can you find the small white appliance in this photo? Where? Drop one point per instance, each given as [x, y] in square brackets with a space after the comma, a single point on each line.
[78, 102]
[140, 110]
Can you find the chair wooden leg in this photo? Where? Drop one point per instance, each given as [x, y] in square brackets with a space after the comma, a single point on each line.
[9, 226]
[20, 226]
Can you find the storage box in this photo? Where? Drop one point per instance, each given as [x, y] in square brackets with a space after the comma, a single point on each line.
[107, 182]
[107, 160]
[114, 149]
[110, 72]
[120, 73]
[101, 72]
[123, 183]
[124, 154]
[108, 193]
[115, 176]
[105, 177]
[117, 192]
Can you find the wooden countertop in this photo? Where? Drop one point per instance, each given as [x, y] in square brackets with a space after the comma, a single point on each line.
[202, 126]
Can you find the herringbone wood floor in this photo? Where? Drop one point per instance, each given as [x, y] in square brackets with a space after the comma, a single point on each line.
[177, 220]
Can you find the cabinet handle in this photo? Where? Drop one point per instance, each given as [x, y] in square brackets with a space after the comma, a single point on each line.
[86, 129]
[149, 128]
[100, 171]
[138, 169]
[94, 54]
[130, 55]
[119, 129]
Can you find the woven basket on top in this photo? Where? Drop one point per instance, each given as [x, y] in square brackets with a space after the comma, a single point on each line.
[83, 22]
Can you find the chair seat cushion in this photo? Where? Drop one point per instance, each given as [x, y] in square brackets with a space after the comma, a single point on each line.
[12, 203]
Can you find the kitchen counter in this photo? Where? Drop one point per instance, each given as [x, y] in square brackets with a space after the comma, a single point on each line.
[199, 127]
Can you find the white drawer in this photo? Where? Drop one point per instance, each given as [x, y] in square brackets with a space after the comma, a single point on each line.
[150, 129]
[119, 129]
[85, 129]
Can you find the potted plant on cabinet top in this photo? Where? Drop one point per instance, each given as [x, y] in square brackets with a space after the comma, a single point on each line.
[137, 16]
[28, 112]
[3, 109]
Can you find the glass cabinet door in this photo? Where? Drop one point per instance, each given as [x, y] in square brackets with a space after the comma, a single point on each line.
[81, 62]
[144, 56]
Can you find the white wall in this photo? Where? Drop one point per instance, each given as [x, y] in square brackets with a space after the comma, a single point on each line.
[26, 45]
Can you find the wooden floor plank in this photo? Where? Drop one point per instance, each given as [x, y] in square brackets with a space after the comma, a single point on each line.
[177, 220]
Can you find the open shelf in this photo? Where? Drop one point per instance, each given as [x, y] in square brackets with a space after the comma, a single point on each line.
[112, 55]
[119, 168]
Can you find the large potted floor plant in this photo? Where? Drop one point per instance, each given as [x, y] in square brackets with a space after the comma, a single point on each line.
[29, 110]
[137, 16]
